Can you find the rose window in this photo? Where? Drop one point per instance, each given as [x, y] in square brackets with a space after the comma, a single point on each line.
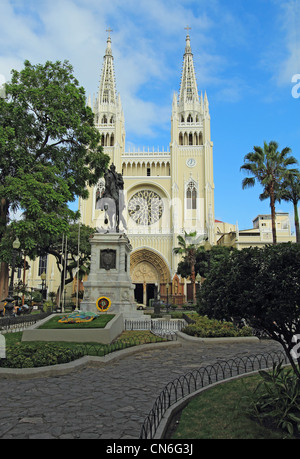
[145, 207]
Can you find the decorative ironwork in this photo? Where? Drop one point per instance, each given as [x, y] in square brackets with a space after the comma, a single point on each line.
[193, 381]
[12, 324]
[145, 207]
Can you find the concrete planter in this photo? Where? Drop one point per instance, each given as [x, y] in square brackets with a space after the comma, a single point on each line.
[83, 335]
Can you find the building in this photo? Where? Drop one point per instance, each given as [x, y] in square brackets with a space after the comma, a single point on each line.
[166, 192]
[260, 234]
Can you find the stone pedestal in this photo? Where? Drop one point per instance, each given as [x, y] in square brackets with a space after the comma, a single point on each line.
[110, 275]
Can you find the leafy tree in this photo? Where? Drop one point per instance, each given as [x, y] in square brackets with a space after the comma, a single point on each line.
[188, 246]
[269, 167]
[206, 259]
[49, 151]
[260, 285]
[290, 192]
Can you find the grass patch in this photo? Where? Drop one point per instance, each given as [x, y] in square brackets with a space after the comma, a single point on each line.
[99, 322]
[221, 413]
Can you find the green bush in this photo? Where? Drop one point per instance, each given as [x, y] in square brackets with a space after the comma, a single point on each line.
[38, 355]
[276, 400]
[211, 328]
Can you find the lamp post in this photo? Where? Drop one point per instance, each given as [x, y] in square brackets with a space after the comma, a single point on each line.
[43, 277]
[9, 305]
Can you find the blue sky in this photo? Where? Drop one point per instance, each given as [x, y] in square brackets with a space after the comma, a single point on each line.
[246, 54]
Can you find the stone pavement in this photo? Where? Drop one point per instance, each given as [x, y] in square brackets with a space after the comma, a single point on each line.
[107, 402]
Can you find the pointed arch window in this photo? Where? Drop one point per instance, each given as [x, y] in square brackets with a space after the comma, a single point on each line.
[191, 196]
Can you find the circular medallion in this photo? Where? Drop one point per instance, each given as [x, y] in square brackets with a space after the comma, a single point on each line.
[103, 303]
[145, 207]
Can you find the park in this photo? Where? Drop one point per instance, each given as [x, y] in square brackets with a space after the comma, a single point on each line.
[128, 310]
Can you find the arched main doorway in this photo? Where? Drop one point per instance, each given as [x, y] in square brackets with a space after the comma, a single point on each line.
[148, 272]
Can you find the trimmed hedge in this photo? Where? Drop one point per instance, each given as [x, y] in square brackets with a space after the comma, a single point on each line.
[38, 355]
[211, 328]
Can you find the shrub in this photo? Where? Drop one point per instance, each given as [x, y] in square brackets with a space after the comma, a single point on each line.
[276, 400]
[38, 355]
[211, 328]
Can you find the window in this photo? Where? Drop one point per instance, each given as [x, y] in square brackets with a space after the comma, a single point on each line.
[148, 171]
[43, 264]
[191, 196]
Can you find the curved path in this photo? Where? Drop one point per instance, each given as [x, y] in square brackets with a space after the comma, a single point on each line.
[107, 402]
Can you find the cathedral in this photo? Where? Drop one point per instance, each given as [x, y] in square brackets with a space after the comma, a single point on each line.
[166, 193]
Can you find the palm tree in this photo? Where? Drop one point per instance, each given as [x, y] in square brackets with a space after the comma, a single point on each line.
[290, 192]
[269, 167]
[188, 246]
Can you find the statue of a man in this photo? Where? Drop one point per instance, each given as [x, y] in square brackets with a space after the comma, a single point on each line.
[114, 186]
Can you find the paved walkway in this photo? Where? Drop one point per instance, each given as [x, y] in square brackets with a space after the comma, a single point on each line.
[109, 402]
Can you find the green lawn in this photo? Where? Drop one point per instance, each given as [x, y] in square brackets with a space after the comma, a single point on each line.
[221, 413]
[99, 322]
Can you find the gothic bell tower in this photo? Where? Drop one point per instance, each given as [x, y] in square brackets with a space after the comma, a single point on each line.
[192, 155]
[108, 112]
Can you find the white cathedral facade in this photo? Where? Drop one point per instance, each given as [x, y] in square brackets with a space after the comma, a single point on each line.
[167, 193]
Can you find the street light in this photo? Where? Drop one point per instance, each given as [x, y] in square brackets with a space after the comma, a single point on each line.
[43, 277]
[9, 305]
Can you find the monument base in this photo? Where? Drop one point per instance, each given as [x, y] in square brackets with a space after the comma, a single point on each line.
[109, 288]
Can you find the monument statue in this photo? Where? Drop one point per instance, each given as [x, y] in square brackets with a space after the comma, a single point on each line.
[112, 198]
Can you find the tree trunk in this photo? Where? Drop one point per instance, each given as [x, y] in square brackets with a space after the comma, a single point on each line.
[296, 222]
[273, 215]
[193, 277]
[4, 277]
[4, 269]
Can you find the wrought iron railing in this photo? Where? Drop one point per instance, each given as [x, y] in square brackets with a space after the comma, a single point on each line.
[13, 324]
[193, 381]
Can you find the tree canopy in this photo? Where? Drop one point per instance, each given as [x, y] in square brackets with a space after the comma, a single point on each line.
[269, 167]
[260, 285]
[49, 152]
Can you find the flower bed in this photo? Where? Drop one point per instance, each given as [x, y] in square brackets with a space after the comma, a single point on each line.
[211, 328]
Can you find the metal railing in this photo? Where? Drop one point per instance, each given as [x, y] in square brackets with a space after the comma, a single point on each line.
[13, 324]
[193, 381]
[156, 326]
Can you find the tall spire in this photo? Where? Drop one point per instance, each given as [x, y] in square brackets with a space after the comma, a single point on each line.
[188, 88]
[107, 88]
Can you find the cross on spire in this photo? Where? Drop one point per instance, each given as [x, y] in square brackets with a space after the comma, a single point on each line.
[188, 28]
[109, 30]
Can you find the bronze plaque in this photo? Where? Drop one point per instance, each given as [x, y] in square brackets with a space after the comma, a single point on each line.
[107, 259]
